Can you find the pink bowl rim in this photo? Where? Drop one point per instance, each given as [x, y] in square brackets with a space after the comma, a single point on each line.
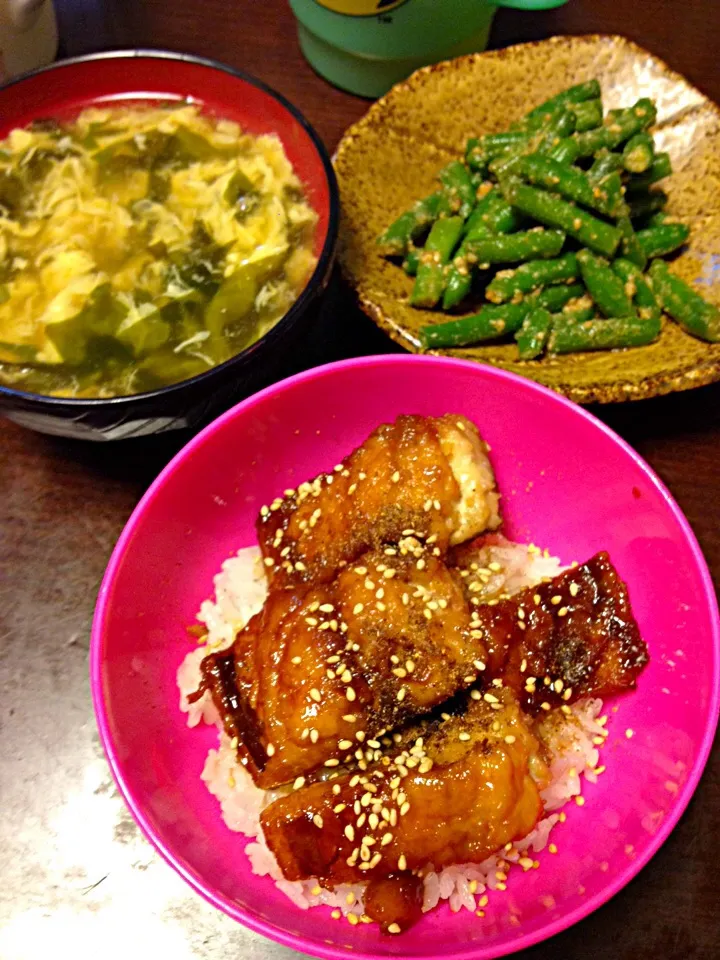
[297, 942]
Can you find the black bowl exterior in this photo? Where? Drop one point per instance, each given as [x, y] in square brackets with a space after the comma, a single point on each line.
[190, 403]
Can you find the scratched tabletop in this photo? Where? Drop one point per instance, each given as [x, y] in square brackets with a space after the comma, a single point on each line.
[75, 874]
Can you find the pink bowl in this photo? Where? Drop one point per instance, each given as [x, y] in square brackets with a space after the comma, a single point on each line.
[569, 484]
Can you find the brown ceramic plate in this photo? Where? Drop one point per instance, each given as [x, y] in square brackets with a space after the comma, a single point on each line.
[390, 158]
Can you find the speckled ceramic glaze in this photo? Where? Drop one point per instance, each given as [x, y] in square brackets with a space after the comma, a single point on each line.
[390, 158]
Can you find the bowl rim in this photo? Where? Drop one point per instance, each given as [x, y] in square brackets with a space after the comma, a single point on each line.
[332, 952]
[310, 290]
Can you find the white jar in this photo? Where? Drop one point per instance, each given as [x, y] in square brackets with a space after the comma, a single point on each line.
[28, 36]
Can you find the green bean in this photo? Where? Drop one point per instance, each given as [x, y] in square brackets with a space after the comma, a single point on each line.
[661, 168]
[565, 151]
[630, 246]
[621, 125]
[694, 314]
[604, 163]
[569, 336]
[588, 114]
[580, 309]
[500, 217]
[554, 212]
[606, 289]
[496, 143]
[430, 278]
[506, 164]
[590, 141]
[533, 334]
[644, 204]
[490, 323]
[517, 246]
[637, 287]
[458, 188]
[576, 94]
[558, 126]
[558, 297]
[411, 224]
[475, 157]
[529, 276]
[639, 153]
[572, 183]
[412, 260]
[659, 241]
[458, 279]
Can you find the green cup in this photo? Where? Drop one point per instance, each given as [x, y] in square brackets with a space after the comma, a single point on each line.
[365, 46]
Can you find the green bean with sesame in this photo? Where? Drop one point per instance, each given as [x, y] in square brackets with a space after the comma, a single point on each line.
[430, 277]
[530, 276]
[533, 334]
[691, 311]
[639, 153]
[554, 212]
[569, 336]
[604, 286]
[661, 240]
[568, 197]
[490, 323]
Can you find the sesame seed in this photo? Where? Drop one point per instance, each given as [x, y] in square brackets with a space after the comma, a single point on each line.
[427, 614]
[509, 738]
[394, 928]
[436, 504]
[315, 695]
[552, 848]
[270, 750]
[580, 801]
[427, 506]
[464, 736]
[574, 589]
[556, 599]
[234, 743]
[361, 571]
[402, 862]
[476, 695]
[490, 698]
[521, 613]
[405, 808]
[344, 744]
[369, 585]
[332, 762]
[353, 919]
[314, 735]
[336, 914]
[563, 612]
[386, 839]
[269, 562]
[396, 477]
[545, 705]
[629, 733]
[479, 665]
[360, 820]
[350, 694]
[350, 833]
[318, 821]
[401, 694]
[379, 593]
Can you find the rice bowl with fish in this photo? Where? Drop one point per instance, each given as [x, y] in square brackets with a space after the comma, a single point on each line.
[494, 711]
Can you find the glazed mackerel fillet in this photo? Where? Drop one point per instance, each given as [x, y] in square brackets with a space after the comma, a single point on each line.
[428, 475]
[453, 790]
[321, 672]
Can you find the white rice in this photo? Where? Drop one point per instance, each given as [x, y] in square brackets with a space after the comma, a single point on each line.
[240, 590]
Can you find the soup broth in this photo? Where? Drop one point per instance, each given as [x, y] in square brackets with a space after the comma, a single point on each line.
[140, 246]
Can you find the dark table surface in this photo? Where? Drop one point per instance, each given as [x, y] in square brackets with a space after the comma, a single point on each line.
[74, 872]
